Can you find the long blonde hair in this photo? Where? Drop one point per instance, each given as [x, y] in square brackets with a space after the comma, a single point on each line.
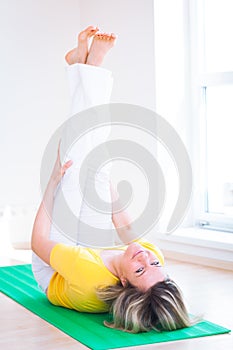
[160, 308]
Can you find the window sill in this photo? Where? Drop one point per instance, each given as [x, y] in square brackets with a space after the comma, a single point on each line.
[200, 246]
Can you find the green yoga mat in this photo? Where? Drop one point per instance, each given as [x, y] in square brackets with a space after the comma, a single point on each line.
[18, 283]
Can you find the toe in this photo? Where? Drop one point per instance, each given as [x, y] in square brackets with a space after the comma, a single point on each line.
[89, 31]
[89, 28]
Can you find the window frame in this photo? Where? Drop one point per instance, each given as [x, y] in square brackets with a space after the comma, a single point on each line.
[200, 81]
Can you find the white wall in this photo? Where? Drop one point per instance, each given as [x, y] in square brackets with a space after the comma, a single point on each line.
[132, 60]
[34, 38]
[34, 100]
[35, 35]
[173, 87]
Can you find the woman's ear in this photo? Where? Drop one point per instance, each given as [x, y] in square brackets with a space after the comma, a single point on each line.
[123, 281]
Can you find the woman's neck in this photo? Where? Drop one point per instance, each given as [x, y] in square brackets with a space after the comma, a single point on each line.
[112, 260]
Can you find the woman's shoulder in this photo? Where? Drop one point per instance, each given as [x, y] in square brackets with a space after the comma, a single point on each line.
[62, 249]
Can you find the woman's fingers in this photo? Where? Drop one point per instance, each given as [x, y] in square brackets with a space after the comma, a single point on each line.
[66, 166]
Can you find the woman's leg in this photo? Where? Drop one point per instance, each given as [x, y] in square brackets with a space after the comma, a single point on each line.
[89, 86]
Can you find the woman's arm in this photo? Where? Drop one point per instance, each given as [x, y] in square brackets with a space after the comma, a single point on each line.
[121, 220]
[40, 242]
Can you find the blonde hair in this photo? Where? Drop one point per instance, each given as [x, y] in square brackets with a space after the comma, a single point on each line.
[160, 308]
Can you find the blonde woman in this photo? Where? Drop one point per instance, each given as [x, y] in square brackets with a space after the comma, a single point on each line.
[130, 282]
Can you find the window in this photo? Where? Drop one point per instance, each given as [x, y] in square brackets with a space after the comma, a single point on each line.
[215, 50]
[194, 92]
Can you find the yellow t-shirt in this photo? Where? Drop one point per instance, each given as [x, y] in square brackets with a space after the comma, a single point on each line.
[79, 272]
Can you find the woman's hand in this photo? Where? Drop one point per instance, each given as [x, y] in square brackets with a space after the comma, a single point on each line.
[58, 169]
[41, 244]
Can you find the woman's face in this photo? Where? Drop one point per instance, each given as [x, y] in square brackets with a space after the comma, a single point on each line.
[141, 267]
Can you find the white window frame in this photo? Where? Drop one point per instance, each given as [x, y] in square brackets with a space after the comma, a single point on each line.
[199, 82]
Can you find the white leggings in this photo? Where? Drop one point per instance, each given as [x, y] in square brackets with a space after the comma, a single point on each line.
[89, 86]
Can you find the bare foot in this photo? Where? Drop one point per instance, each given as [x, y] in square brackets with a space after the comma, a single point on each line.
[79, 53]
[101, 44]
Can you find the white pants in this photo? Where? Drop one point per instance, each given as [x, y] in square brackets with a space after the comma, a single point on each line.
[89, 86]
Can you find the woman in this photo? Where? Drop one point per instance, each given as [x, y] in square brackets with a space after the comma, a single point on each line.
[130, 281]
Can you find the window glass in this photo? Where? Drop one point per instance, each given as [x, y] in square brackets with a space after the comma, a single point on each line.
[219, 114]
[218, 33]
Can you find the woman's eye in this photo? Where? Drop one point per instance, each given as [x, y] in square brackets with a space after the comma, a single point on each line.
[155, 263]
[139, 270]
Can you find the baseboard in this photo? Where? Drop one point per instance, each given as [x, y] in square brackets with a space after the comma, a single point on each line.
[21, 245]
[198, 247]
[178, 256]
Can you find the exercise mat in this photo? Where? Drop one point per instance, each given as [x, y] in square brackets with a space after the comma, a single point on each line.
[18, 283]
